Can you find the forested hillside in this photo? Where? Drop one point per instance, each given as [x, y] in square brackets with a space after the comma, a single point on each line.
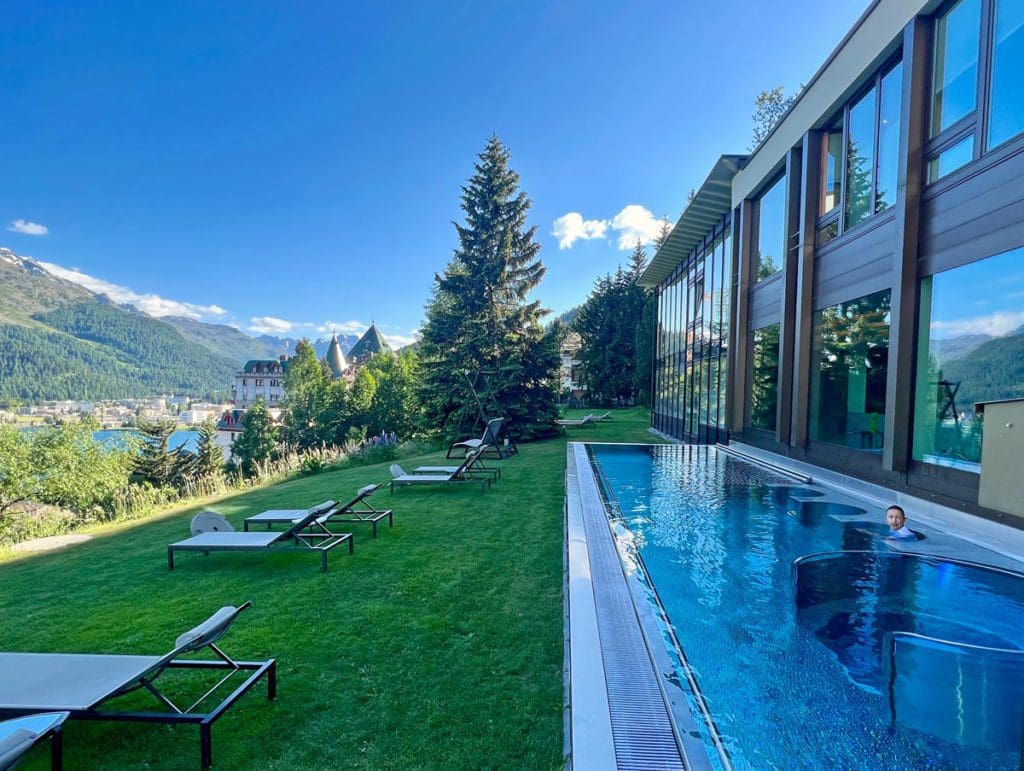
[224, 340]
[993, 370]
[38, 363]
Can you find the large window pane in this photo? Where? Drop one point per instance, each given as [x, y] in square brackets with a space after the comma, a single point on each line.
[1006, 118]
[970, 350]
[955, 64]
[764, 381]
[832, 169]
[771, 230]
[860, 160]
[848, 372]
[889, 138]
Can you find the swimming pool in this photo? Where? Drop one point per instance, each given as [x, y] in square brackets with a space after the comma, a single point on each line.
[859, 656]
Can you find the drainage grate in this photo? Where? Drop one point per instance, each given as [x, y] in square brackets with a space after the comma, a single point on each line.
[641, 727]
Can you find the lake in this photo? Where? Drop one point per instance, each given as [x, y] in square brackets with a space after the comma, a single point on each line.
[189, 438]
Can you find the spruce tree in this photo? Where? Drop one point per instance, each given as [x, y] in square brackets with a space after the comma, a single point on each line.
[156, 463]
[479, 319]
[209, 462]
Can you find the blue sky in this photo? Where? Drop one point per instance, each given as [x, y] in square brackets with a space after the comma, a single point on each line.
[300, 163]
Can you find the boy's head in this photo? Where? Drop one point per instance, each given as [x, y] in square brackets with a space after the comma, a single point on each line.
[896, 517]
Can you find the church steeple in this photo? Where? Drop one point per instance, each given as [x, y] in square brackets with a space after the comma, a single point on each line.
[335, 358]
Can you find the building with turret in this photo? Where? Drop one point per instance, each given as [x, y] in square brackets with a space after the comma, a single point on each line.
[336, 359]
[372, 342]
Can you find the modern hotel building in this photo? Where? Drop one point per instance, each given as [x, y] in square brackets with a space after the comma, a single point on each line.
[851, 294]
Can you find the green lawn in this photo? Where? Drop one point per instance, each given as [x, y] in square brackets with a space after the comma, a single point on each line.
[437, 645]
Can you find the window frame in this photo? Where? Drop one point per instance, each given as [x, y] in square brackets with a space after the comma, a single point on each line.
[975, 123]
[779, 175]
[837, 215]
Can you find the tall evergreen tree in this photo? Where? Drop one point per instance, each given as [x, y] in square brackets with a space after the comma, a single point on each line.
[209, 455]
[257, 441]
[479, 319]
[156, 463]
[615, 326]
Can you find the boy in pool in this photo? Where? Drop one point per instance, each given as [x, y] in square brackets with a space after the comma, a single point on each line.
[897, 519]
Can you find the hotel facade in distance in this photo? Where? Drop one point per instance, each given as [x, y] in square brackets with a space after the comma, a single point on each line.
[850, 295]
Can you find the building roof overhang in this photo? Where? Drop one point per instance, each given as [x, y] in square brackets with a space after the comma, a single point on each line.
[710, 203]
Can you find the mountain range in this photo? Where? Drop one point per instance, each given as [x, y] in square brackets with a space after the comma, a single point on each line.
[59, 340]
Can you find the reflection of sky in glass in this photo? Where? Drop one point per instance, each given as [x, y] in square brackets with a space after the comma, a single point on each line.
[1007, 114]
[983, 298]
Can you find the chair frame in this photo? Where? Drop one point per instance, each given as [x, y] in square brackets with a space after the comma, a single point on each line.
[174, 714]
[346, 513]
[317, 537]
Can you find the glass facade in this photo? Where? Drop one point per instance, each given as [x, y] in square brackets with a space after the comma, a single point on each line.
[970, 349]
[889, 105]
[771, 231]
[831, 169]
[764, 377]
[848, 372]
[693, 336]
[955, 65]
[1006, 118]
[860, 160]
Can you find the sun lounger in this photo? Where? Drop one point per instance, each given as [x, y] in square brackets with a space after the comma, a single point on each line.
[82, 684]
[20, 734]
[348, 513]
[475, 468]
[495, 442]
[308, 533]
[586, 420]
[459, 476]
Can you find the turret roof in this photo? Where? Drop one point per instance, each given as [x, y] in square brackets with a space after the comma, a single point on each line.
[370, 343]
[335, 358]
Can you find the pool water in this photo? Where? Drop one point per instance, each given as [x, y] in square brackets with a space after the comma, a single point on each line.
[799, 667]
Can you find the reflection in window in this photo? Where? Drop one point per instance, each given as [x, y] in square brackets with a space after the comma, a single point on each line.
[888, 138]
[970, 349]
[955, 64]
[951, 159]
[831, 169]
[764, 379]
[848, 373]
[860, 160]
[1006, 118]
[771, 230]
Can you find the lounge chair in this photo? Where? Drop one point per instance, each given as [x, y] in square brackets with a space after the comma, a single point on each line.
[80, 684]
[586, 420]
[20, 734]
[495, 442]
[308, 533]
[475, 468]
[458, 476]
[347, 513]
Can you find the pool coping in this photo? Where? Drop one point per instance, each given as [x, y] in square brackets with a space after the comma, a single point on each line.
[598, 734]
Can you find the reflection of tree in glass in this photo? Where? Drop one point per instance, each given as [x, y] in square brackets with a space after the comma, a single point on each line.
[852, 339]
[858, 181]
[766, 267]
[764, 382]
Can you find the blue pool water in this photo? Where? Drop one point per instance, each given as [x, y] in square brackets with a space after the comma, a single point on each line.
[803, 667]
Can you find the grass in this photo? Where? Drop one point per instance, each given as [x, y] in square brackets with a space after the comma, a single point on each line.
[437, 645]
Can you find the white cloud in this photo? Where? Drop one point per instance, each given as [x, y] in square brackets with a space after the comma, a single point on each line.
[994, 325]
[342, 327]
[635, 223]
[570, 227]
[28, 228]
[269, 325]
[400, 341]
[151, 304]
